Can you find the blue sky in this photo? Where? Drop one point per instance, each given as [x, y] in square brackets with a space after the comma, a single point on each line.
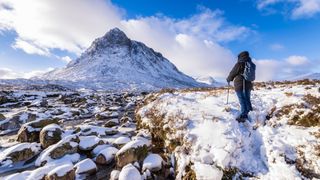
[277, 33]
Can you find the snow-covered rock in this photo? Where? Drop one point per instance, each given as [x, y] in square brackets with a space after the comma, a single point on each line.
[50, 134]
[67, 145]
[64, 172]
[120, 141]
[117, 63]
[86, 166]
[129, 172]
[88, 143]
[210, 81]
[135, 150]
[114, 175]
[30, 132]
[106, 155]
[153, 162]
[19, 152]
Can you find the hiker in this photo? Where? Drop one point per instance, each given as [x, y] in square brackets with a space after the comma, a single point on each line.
[242, 75]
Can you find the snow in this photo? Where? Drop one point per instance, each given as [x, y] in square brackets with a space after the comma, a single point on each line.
[84, 166]
[129, 172]
[35, 147]
[87, 142]
[45, 155]
[61, 170]
[118, 63]
[99, 148]
[109, 153]
[153, 162]
[114, 175]
[212, 139]
[122, 140]
[205, 171]
[139, 142]
[51, 127]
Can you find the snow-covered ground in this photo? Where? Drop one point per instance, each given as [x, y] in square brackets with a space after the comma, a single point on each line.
[281, 140]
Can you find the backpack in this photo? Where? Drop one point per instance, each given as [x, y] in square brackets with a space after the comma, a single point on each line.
[249, 73]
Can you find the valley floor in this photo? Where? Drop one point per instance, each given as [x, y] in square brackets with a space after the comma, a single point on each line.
[172, 134]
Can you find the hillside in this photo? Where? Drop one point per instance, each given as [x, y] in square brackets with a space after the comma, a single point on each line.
[281, 140]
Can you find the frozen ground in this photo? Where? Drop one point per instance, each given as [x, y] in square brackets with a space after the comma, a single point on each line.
[280, 140]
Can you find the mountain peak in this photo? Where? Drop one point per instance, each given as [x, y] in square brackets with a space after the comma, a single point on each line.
[116, 36]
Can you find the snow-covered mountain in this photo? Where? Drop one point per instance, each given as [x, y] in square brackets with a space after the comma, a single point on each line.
[311, 76]
[209, 80]
[115, 62]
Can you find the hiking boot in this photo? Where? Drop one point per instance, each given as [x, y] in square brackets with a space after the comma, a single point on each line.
[242, 118]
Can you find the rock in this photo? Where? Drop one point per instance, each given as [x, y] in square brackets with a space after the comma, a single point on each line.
[29, 132]
[2, 117]
[129, 172]
[19, 152]
[114, 175]
[135, 150]
[88, 143]
[106, 155]
[67, 145]
[50, 134]
[121, 141]
[153, 162]
[86, 166]
[43, 122]
[111, 123]
[125, 119]
[64, 172]
[106, 115]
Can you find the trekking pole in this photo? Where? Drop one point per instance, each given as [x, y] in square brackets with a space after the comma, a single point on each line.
[228, 93]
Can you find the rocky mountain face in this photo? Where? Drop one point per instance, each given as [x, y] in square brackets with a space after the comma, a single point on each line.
[115, 62]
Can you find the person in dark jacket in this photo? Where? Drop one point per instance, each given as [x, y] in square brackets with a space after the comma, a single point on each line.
[242, 87]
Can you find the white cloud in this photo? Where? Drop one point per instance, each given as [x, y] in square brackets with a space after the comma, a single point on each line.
[66, 59]
[306, 8]
[277, 47]
[6, 73]
[44, 25]
[299, 8]
[272, 69]
[30, 47]
[66, 25]
[297, 60]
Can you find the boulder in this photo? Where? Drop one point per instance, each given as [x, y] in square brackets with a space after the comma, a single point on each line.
[106, 155]
[67, 145]
[64, 172]
[135, 150]
[2, 117]
[30, 132]
[121, 141]
[111, 123]
[86, 166]
[153, 162]
[107, 115]
[19, 152]
[88, 143]
[50, 134]
[129, 172]
[114, 175]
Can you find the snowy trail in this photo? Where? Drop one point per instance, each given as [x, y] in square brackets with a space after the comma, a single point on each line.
[214, 140]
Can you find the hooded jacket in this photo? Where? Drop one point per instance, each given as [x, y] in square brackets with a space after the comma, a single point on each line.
[236, 73]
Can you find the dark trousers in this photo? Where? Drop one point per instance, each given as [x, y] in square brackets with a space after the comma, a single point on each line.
[244, 100]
